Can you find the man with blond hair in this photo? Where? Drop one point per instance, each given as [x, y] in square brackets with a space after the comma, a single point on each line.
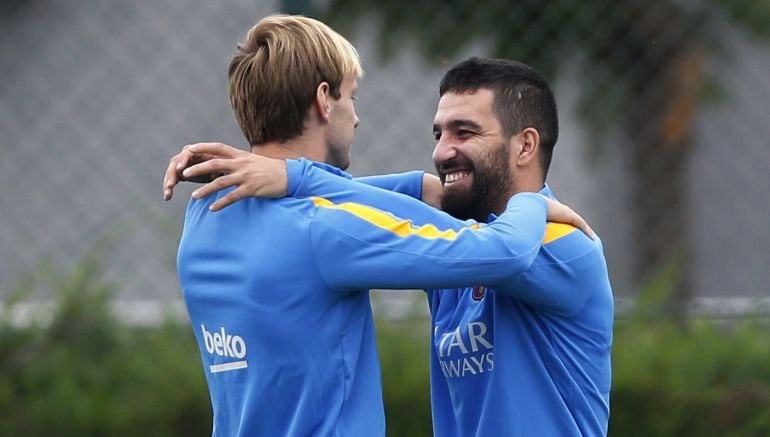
[277, 290]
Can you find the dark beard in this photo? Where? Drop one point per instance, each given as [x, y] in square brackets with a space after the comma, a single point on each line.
[490, 190]
[338, 157]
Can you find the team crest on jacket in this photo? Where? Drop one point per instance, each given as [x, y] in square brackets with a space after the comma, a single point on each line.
[478, 292]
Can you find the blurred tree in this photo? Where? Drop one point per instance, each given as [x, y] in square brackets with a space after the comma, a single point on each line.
[644, 73]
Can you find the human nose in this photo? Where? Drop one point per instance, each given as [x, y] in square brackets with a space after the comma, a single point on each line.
[444, 151]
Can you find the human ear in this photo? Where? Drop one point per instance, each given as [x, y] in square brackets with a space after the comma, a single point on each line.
[322, 104]
[529, 139]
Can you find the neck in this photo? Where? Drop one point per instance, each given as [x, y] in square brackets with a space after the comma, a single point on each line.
[531, 186]
[519, 185]
[306, 145]
[527, 179]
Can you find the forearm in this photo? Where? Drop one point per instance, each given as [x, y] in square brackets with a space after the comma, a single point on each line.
[408, 183]
[432, 190]
[420, 185]
[358, 246]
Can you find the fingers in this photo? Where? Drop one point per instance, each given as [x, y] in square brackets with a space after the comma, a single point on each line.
[227, 200]
[558, 212]
[171, 178]
[218, 149]
[193, 153]
[581, 224]
[212, 166]
[174, 169]
[251, 175]
[217, 184]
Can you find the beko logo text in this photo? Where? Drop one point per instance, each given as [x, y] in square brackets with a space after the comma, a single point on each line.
[225, 345]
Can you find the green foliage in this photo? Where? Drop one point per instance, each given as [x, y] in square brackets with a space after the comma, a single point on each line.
[700, 381]
[704, 380]
[754, 15]
[84, 374]
[404, 355]
[622, 44]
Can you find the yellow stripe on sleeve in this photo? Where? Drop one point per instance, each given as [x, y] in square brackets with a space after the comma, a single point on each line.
[402, 228]
[554, 231]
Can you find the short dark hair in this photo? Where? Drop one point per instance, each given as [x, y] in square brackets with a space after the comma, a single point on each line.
[522, 97]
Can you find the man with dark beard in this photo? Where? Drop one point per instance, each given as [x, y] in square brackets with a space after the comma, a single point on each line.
[533, 359]
[524, 358]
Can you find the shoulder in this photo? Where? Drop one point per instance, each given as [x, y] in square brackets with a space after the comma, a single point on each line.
[252, 210]
[568, 258]
[564, 243]
[566, 271]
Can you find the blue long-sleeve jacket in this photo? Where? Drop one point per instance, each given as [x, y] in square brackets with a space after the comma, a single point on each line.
[528, 355]
[530, 358]
[276, 292]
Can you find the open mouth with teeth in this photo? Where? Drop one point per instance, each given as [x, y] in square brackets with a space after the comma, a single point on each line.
[455, 176]
[456, 173]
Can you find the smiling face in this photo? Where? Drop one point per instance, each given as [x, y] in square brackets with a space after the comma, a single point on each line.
[472, 155]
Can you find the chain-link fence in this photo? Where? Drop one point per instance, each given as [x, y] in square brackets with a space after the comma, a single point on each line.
[663, 107]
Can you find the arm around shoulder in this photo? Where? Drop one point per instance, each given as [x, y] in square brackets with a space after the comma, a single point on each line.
[358, 247]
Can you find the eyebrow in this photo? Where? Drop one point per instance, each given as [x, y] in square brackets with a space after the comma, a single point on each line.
[459, 124]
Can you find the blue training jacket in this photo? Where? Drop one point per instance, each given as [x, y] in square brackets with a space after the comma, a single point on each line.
[531, 359]
[276, 292]
[524, 357]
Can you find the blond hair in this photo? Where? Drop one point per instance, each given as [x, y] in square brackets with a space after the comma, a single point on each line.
[274, 76]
